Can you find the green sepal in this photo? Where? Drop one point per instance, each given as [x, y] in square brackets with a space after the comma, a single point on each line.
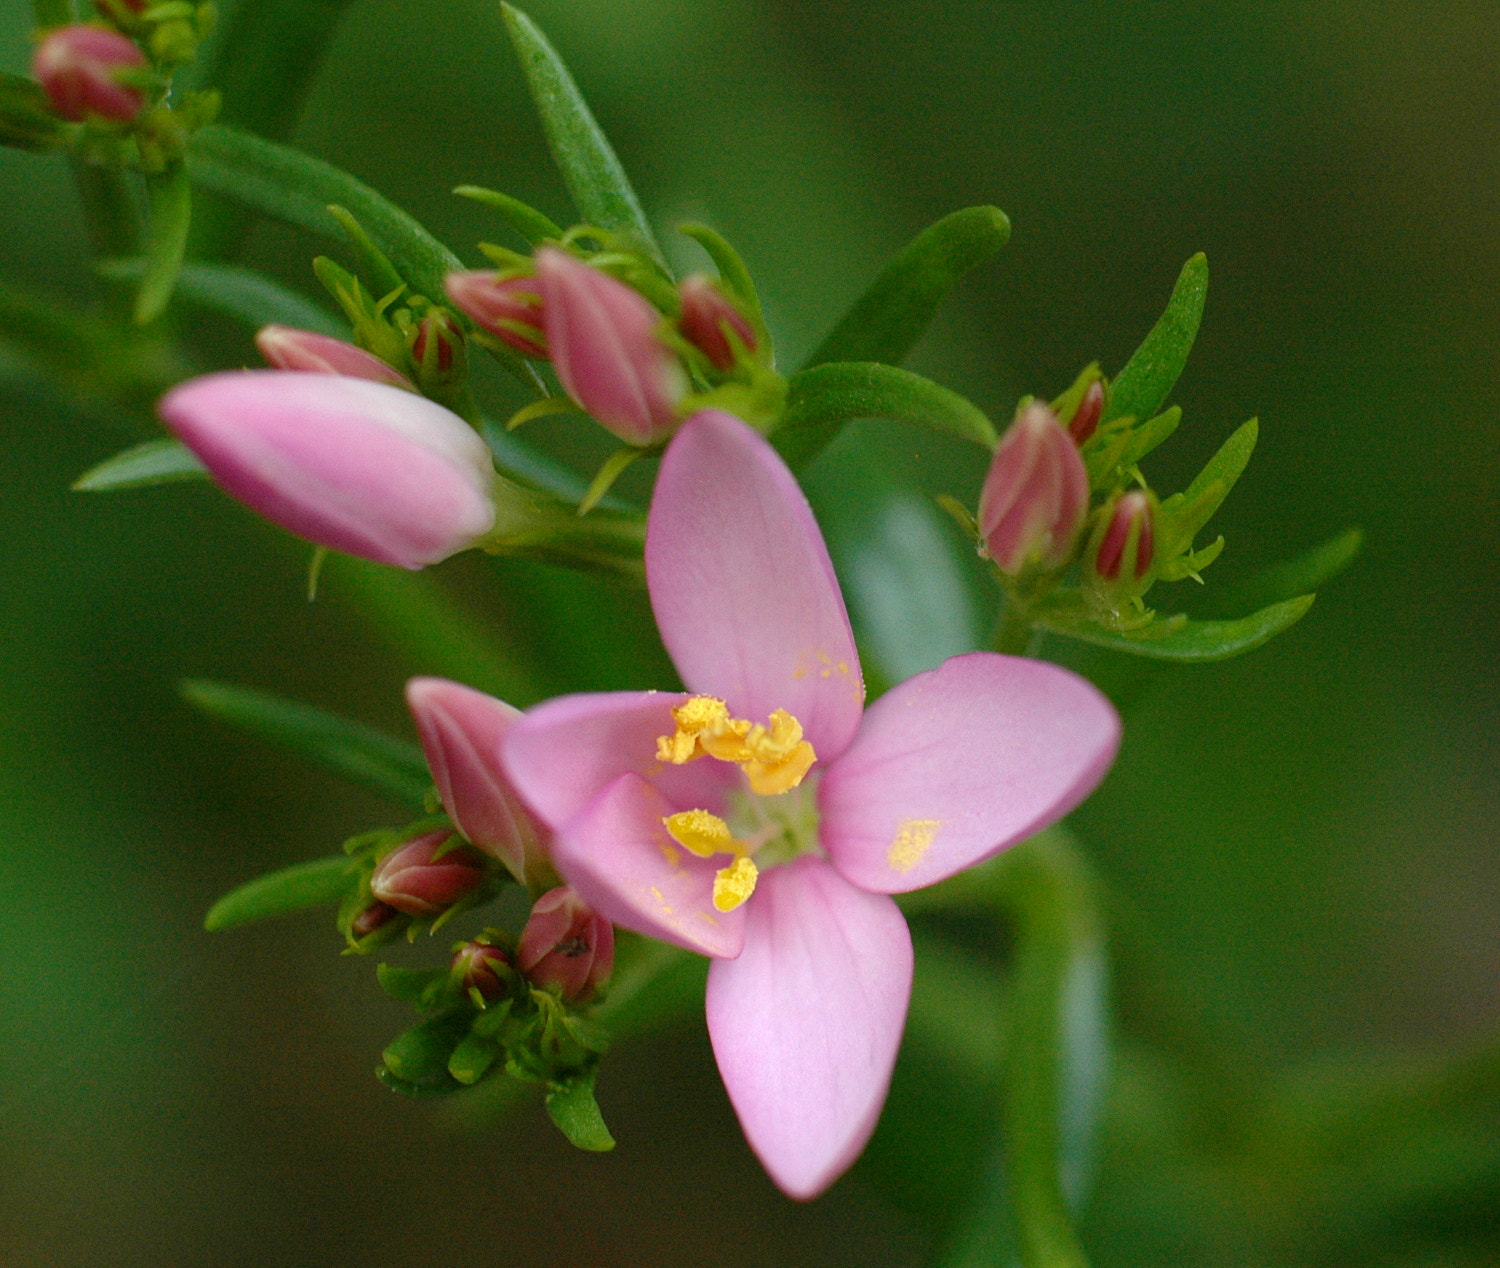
[170, 196]
[243, 294]
[1142, 387]
[1175, 638]
[419, 1057]
[1191, 564]
[590, 169]
[379, 273]
[822, 399]
[319, 883]
[413, 986]
[143, 466]
[613, 468]
[1112, 452]
[389, 766]
[1302, 575]
[894, 312]
[733, 275]
[373, 331]
[472, 1059]
[26, 119]
[495, 1020]
[571, 1105]
[523, 218]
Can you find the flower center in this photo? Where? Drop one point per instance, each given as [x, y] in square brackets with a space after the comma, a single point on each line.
[775, 759]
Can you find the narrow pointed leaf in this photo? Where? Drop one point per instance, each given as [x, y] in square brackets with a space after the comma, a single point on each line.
[591, 171]
[573, 1108]
[142, 466]
[1142, 387]
[389, 766]
[378, 271]
[524, 219]
[243, 294]
[1229, 463]
[1193, 641]
[320, 883]
[888, 319]
[1149, 435]
[1305, 573]
[171, 199]
[822, 399]
[26, 121]
[732, 271]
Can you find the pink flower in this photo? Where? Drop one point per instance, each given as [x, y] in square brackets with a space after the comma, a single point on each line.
[288, 348]
[566, 944]
[77, 68]
[1036, 495]
[509, 308]
[425, 877]
[352, 465]
[604, 346]
[765, 818]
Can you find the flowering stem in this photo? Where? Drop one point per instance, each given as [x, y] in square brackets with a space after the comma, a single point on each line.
[1013, 634]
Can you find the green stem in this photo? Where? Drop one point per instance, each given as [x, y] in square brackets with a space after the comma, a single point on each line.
[1013, 634]
[111, 217]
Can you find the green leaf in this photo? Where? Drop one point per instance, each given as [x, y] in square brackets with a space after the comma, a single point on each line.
[378, 271]
[420, 1055]
[1302, 575]
[50, 13]
[1228, 464]
[822, 399]
[573, 1108]
[732, 271]
[888, 319]
[1190, 642]
[170, 195]
[591, 171]
[320, 883]
[407, 985]
[143, 466]
[243, 294]
[472, 1059]
[294, 187]
[1142, 387]
[26, 119]
[387, 765]
[523, 218]
[1184, 514]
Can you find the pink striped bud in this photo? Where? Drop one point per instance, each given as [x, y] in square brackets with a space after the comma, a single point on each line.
[566, 944]
[1085, 420]
[604, 345]
[509, 308]
[288, 348]
[482, 968]
[706, 311]
[77, 68]
[438, 351]
[1128, 540]
[1035, 496]
[462, 731]
[355, 466]
[371, 919]
[414, 880]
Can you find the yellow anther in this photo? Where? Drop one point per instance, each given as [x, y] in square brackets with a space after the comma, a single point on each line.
[768, 779]
[776, 758]
[734, 884]
[701, 833]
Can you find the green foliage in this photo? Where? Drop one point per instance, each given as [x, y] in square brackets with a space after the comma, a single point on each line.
[1301, 575]
[525, 220]
[319, 883]
[1177, 638]
[143, 466]
[26, 121]
[171, 199]
[571, 1105]
[1142, 387]
[242, 294]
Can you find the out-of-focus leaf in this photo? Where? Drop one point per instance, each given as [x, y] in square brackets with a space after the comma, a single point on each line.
[573, 1108]
[822, 399]
[888, 319]
[523, 218]
[387, 765]
[590, 169]
[1189, 641]
[50, 13]
[243, 294]
[143, 466]
[419, 1057]
[472, 1059]
[1142, 387]
[26, 121]
[171, 199]
[320, 883]
[733, 274]
[1302, 575]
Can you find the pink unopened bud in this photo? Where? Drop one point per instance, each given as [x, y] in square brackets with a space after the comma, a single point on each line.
[509, 308]
[77, 67]
[412, 880]
[462, 731]
[566, 944]
[288, 348]
[706, 311]
[355, 466]
[483, 968]
[602, 336]
[371, 919]
[1085, 420]
[1035, 496]
[1131, 518]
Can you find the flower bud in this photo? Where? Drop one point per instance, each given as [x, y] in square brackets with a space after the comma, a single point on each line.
[462, 731]
[437, 350]
[705, 313]
[287, 348]
[566, 944]
[604, 346]
[77, 67]
[1127, 545]
[1035, 496]
[371, 919]
[482, 967]
[1085, 420]
[509, 308]
[355, 466]
[412, 879]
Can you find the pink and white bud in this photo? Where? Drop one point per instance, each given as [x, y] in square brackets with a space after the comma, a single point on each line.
[706, 312]
[1127, 545]
[482, 968]
[77, 67]
[566, 944]
[1085, 420]
[416, 879]
[371, 919]
[1036, 495]
[462, 731]
[509, 308]
[604, 345]
[355, 466]
[288, 348]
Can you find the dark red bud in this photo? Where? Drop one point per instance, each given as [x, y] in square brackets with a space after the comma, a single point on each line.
[1132, 508]
[1085, 419]
[484, 968]
[370, 919]
[705, 312]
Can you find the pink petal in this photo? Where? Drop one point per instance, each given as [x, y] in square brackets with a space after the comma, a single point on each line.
[806, 1022]
[955, 764]
[742, 586]
[619, 858]
[563, 753]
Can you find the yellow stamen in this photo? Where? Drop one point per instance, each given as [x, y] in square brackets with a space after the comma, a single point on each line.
[776, 758]
[771, 778]
[702, 833]
[734, 884]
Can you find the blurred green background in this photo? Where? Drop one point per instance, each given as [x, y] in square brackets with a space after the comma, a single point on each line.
[1300, 846]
